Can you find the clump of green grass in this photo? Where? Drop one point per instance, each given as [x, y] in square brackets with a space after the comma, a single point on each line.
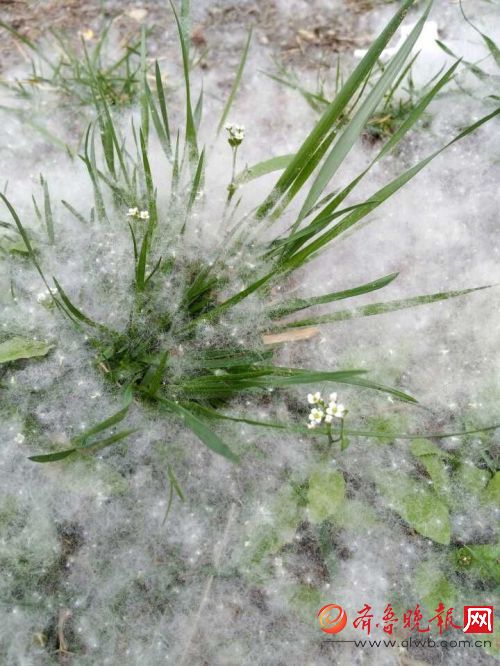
[77, 74]
[396, 105]
[143, 360]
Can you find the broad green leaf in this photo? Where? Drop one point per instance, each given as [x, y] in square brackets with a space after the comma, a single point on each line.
[471, 478]
[432, 587]
[438, 473]
[18, 348]
[326, 495]
[484, 558]
[417, 505]
[492, 491]
[356, 516]
[431, 457]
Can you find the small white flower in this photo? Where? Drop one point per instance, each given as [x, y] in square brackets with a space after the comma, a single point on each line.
[328, 418]
[19, 438]
[144, 215]
[332, 406]
[316, 415]
[313, 398]
[340, 411]
[236, 134]
[133, 212]
[333, 397]
[312, 425]
[43, 296]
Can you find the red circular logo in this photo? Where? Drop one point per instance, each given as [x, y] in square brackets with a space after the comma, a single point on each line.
[332, 618]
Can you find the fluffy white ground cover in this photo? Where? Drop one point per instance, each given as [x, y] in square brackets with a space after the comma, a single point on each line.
[238, 570]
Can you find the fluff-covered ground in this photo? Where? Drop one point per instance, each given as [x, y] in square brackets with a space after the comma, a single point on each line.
[90, 572]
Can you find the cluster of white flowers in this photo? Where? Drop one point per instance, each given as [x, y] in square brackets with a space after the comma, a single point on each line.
[323, 410]
[140, 214]
[236, 134]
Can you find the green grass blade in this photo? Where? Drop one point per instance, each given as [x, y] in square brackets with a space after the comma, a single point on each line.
[107, 423]
[154, 377]
[148, 177]
[74, 212]
[25, 237]
[89, 163]
[157, 122]
[191, 138]
[52, 457]
[198, 111]
[140, 273]
[144, 93]
[490, 44]
[212, 413]
[303, 175]
[236, 83]
[163, 107]
[49, 218]
[195, 188]
[73, 309]
[382, 308]
[277, 163]
[27, 42]
[207, 436]
[477, 71]
[300, 304]
[99, 444]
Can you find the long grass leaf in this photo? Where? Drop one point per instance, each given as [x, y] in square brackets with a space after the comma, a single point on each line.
[163, 107]
[78, 314]
[236, 83]
[302, 303]
[382, 308]
[207, 436]
[25, 238]
[191, 138]
[263, 168]
[49, 218]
